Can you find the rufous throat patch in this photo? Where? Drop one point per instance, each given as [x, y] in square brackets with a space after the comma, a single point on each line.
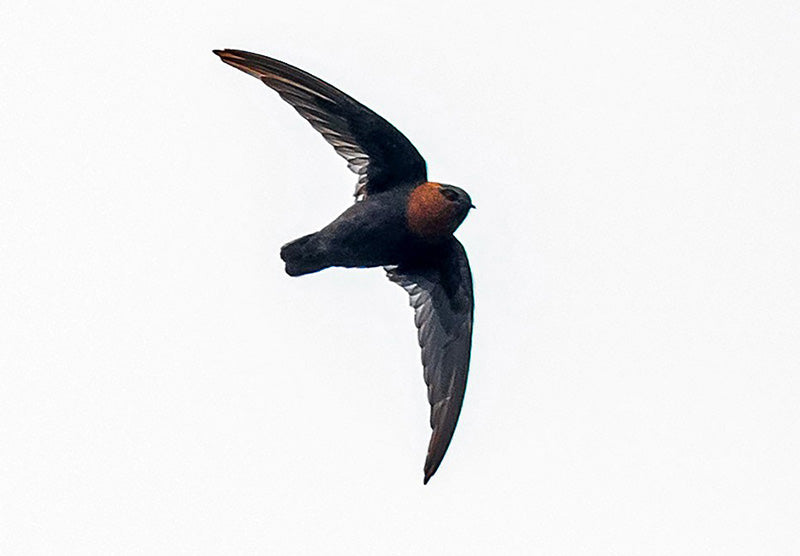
[429, 214]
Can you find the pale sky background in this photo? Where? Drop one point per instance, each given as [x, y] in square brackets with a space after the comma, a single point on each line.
[166, 389]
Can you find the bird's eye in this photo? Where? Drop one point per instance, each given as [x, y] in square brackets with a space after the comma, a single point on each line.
[449, 194]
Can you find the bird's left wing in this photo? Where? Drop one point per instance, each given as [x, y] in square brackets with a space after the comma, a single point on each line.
[374, 149]
[440, 291]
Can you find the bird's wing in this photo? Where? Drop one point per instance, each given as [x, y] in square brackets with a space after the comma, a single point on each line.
[441, 295]
[374, 149]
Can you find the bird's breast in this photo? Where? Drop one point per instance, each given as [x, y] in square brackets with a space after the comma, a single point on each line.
[428, 214]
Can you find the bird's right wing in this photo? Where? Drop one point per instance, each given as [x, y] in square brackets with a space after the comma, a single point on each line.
[441, 295]
[374, 149]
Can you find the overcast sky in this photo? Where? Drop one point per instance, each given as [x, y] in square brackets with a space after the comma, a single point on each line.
[165, 388]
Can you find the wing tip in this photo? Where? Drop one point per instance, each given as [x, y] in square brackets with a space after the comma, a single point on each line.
[239, 59]
[431, 466]
[223, 52]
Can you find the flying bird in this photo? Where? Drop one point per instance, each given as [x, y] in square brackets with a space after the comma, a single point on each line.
[399, 221]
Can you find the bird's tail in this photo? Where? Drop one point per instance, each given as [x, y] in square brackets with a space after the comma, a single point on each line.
[303, 256]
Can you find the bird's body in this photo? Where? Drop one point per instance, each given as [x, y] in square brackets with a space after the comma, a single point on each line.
[369, 233]
[400, 221]
[401, 226]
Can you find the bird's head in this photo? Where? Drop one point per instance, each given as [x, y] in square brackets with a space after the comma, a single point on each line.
[459, 200]
[435, 210]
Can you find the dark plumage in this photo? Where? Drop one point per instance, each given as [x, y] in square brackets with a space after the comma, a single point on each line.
[399, 221]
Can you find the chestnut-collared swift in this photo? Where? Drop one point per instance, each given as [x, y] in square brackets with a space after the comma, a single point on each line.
[399, 221]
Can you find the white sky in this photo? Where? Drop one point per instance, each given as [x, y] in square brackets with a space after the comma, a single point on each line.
[166, 389]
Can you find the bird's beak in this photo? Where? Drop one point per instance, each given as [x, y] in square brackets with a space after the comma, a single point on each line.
[472, 206]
